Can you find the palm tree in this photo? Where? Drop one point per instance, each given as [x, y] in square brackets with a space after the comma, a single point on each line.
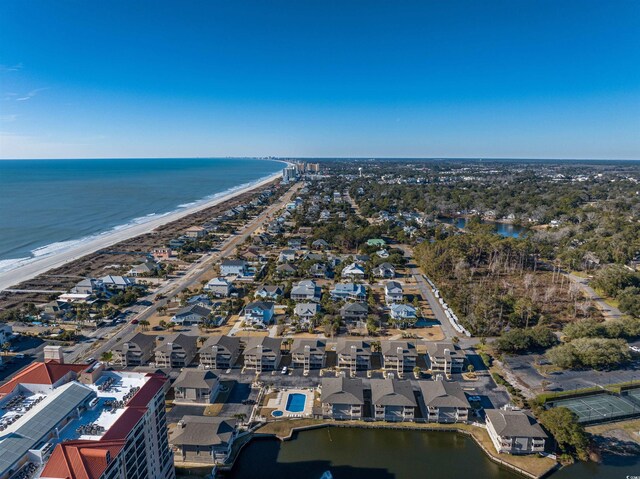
[5, 347]
[107, 357]
[144, 324]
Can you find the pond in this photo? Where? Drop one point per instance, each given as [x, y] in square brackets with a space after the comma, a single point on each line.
[503, 229]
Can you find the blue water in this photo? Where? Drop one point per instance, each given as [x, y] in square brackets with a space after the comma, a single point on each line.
[295, 402]
[45, 204]
[503, 229]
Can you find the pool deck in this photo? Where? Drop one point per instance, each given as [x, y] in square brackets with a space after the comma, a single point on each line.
[279, 403]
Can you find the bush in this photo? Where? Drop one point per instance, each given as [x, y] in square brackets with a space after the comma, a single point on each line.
[596, 353]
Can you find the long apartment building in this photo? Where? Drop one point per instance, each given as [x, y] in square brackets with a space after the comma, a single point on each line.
[60, 421]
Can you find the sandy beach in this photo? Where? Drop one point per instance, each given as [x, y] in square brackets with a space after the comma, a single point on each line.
[38, 266]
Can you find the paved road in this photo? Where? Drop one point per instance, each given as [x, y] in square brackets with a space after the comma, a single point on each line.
[609, 312]
[191, 277]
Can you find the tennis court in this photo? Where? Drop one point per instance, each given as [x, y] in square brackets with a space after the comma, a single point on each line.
[599, 408]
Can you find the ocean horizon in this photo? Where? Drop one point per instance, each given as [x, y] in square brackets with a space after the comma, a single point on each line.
[48, 206]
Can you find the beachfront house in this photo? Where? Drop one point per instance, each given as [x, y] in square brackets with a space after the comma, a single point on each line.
[349, 291]
[176, 351]
[444, 402]
[88, 286]
[398, 356]
[233, 267]
[514, 432]
[196, 386]
[219, 352]
[203, 439]
[393, 292]
[269, 291]
[219, 287]
[137, 350]
[354, 355]
[192, 314]
[195, 232]
[342, 398]
[445, 358]
[353, 271]
[393, 400]
[148, 268]
[307, 354]
[262, 353]
[306, 290]
[258, 314]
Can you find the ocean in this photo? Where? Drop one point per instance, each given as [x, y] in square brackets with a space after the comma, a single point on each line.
[49, 205]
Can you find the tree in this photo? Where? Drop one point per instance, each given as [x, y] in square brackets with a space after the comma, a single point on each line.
[596, 353]
[107, 357]
[5, 347]
[570, 436]
[144, 324]
[471, 369]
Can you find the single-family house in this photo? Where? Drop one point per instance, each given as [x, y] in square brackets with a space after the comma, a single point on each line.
[320, 244]
[403, 314]
[384, 270]
[286, 269]
[196, 385]
[514, 432]
[286, 256]
[354, 355]
[342, 398]
[195, 232]
[148, 268]
[349, 291]
[117, 282]
[354, 312]
[306, 311]
[176, 351]
[258, 313]
[219, 352]
[219, 287]
[393, 292]
[382, 253]
[192, 314]
[445, 358]
[353, 271]
[262, 353]
[444, 402]
[269, 291]
[319, 270]
[233, 267]
[398, 356]
[88, 286]
[160, 254]
[392, 400]
[379, 242]
[306, 290]
[308, 354]
[203, 439]
[137, 350]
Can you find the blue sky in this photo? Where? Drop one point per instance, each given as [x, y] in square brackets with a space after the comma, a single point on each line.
[513, 78]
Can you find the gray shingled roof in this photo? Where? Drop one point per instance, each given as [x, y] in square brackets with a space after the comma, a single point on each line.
[342, 391]
[203, 431]
[267, 343]
[437, 350]
[392, 392]
[196, 379]
[344, 346]
[317, 346]
[443, 394]
[230, 343]
[391, 348]
[514, 423]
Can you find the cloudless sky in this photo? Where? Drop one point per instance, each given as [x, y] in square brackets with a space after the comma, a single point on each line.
[478, 78]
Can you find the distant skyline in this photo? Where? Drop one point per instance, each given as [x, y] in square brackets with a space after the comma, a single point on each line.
[378, 78]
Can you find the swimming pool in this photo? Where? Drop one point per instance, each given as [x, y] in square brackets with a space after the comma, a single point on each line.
[296, 402]
[277, 413]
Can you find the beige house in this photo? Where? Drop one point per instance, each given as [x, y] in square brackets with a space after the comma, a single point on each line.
[262, 353]
[354, 355]
[393, 400]
[444, 402]
[514, 432]
[135, 351]
[176, 351]
[219, 352]
[308, 354]
[399, 356]
[196, 385]
[342, 398]
[203, 439]
[445, 358]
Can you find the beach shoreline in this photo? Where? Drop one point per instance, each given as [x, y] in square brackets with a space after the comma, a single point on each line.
[34, 267]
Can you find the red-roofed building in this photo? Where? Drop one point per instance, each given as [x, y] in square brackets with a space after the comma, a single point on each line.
[51, 374]
[86, 460]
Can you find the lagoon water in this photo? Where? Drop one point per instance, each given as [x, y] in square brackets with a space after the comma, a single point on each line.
[351, 453]
[47, 204]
